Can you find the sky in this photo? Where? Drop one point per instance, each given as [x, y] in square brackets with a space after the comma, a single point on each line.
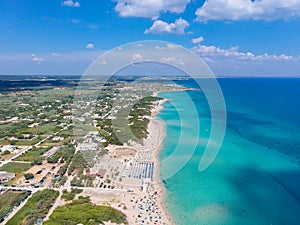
[234, 37]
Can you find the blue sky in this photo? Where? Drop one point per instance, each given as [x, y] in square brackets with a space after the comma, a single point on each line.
[234, 37]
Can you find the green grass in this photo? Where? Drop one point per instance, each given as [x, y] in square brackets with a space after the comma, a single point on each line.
[43, 129]
[27, 142]
[36, 208]
[9, 200]
[31, 155]
[83, 211]
[14, 167]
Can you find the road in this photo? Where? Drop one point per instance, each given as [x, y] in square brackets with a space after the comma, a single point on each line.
[11, 215]
[30, 147]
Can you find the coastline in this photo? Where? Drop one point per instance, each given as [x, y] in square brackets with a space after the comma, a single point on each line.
[154, 141]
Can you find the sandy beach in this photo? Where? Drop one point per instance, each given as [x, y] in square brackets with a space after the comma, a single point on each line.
[154, 141]
[140, 207]
[150, 205]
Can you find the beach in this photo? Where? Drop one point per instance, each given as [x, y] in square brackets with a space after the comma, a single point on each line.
[154, 141]
[151, 204]
[140, 207]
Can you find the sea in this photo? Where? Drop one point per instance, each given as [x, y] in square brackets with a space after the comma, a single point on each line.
[255, 178]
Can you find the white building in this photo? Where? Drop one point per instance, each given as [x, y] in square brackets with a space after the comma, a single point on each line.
[87, 146]
[9, 148]
[5, 176]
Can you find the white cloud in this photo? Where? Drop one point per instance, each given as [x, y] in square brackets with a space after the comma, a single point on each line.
[71, 3]
[172, 60]
[169, 59]
[149, 8]
[214, 52]
[248, 10]
[90, 46]
[160, 27]
[173, 46]
[37, 59]
[232, 62]
[55, 54]
[137, 57]
[197, 40]
[222, 61]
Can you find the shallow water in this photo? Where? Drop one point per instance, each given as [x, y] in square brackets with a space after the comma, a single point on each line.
[255, 178]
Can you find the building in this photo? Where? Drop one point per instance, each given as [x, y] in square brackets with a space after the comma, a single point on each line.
[51, 152]
[9, 148]
[5, 176]
[101, 173]
[87, 146]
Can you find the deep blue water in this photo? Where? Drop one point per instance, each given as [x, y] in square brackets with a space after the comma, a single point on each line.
[255, 178]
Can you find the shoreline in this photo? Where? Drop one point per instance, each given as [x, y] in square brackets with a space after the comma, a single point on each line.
[157, 127]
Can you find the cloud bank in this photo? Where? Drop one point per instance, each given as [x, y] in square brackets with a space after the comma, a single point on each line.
[232, 62]
[268, 10]
[149, 8]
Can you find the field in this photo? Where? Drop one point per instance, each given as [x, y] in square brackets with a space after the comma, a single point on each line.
[14, 167]
[32, 154]
[36, 208]
[24, 142]
[9, 200]
[44, 129]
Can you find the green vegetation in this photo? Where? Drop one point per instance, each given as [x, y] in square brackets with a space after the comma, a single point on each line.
[9, 200]
[26, 142]
[11, 129]
[32, 155]
[62, 180]
[68, 196]
[76, 182]
[28, 176]
[36, 208]
[47, 128]
[139, 124]
[84, 212]
[64, 154]
[14, 167]
[78, 162]
[6, 152]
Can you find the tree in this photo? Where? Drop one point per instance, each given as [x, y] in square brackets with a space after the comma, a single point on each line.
[6, 152]
[28, 176]
[13, 142]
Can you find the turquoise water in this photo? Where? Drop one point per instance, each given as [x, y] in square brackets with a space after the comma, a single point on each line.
[255, 178]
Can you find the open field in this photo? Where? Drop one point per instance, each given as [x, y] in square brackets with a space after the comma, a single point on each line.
[15, 167]
[32, 154]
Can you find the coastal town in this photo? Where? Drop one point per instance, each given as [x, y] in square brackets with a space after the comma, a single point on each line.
[98, 144]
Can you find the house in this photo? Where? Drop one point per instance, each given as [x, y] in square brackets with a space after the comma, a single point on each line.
[91, 175]
[9, 148]
[58, 138]
[5, 176]
[101, 173]
[87, 146]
